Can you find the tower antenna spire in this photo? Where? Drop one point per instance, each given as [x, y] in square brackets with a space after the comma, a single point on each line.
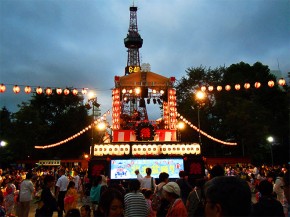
[133, 42]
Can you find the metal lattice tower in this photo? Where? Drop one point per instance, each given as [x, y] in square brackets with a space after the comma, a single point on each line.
[133, 42]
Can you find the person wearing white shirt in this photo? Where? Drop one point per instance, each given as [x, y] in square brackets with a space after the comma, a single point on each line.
[61, 188]
[25, 195]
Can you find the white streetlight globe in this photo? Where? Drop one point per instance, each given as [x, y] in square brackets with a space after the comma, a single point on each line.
[270, 139]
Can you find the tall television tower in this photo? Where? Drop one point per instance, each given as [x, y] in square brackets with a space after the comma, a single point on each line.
[133, 42]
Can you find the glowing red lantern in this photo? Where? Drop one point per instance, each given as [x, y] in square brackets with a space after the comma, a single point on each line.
[75, 92]
[39, 90]
[16, 89]
[271, 83]
[237, 87]
[2, 88]
[282, 81]
[58, 91]
[48, 91]
[219, 88]
[247, 85]
[27, 89]
[66, 91]
[257, 84]
[228, 87]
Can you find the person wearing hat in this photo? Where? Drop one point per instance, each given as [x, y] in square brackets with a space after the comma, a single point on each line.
[171, 193]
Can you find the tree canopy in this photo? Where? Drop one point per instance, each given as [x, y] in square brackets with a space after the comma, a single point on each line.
[246, 116]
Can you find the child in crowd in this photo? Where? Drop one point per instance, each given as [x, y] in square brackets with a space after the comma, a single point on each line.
[85, 211]
[148, 196]
[71, 197]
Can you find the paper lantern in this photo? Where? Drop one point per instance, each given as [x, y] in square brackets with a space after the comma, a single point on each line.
[16, 89]
[237, 87]
[197, 149]
[39, 90]
[134, 150]
[58, 91]
[247, 85]
[192, 148]
[219, 88]
[187, 149]
[27, 89]
[228, 87]
[282, 81]
[48, 91]
[66, 91]
[2, 88]
[271, 83]
[203, 88]
[75, 92]
[127, 149]
[106, 149]
[257, 85]
[210, 88]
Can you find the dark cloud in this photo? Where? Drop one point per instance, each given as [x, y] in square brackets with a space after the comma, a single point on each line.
[80, 43]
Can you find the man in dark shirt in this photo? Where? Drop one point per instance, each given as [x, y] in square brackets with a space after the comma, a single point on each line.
[267, 204]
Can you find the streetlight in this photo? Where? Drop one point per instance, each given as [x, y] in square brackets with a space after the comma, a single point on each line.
[271, 140]
[92, 103]
[180, 126]
[200, 96]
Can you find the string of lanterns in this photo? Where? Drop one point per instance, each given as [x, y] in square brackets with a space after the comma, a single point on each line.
[40, 90]
[257, 85]
[75, 135]
[204, 133]
[48, 90]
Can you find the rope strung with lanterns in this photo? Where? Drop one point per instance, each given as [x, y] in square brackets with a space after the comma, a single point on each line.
[204, 133]
[99, 120]
[48, 90]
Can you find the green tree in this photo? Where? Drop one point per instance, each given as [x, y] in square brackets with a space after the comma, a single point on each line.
[48, 119]
[246, 116]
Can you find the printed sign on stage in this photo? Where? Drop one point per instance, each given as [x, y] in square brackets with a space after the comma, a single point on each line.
[125, 169]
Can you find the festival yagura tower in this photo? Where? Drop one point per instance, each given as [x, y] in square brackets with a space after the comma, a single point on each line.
[133, 134]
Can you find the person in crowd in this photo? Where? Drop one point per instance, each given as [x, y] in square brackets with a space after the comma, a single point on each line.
[1, 178]
[25, 195]
[73, 213]
[278, 189]
[148, 181]
[49, 204]
[9, 194]
[86, 190]
[286, 187]
[148, 194]
[267, 204]
[135, 203]
[77, 181]
[172, 194]
[85, 211]
[217, 170]
[61, 189]
[227, 196]
[71, 197]
[111, 204]
[2, 209]
[163, 179]
[139, 176]
[96, 191]
[195, 200]
[185, 187]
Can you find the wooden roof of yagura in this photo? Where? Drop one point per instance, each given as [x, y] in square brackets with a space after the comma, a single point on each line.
[145, 79]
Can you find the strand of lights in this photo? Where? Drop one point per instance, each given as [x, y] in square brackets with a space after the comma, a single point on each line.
[204, 133]
[75, 135]
[48, 90]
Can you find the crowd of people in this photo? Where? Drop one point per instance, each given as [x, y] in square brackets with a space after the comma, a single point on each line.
[223, 191]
